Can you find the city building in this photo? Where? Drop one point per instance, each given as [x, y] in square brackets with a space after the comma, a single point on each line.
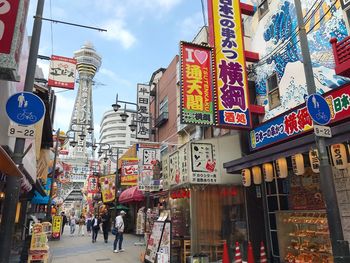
[115, 132]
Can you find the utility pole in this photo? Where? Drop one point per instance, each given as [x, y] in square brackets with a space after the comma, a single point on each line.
[340, 246]
[13, 182]
[53, 173]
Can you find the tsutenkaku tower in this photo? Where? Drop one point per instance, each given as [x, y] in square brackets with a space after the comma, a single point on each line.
[88, 62]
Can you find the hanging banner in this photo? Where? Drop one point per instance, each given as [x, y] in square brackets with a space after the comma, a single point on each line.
[298, 121]
[92, 184]
[107, 184]
[143, 114]
[130, 171]
[197, 105]
[149, 159]
[62, 72]
[231, 90]
[13, 17]
[56, 227]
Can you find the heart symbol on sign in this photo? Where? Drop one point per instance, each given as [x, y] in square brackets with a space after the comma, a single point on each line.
[201, 56]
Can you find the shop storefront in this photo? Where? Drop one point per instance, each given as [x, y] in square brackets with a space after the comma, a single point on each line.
[205, 205]
[283, 175]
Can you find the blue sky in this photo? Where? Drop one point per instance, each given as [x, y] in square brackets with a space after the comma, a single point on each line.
[142, 36]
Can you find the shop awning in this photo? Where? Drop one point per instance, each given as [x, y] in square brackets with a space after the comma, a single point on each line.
[340, 133]
[131, 194]
[7, 165]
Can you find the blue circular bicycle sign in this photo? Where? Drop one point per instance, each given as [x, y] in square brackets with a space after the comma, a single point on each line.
[318, 109]
[25, 108]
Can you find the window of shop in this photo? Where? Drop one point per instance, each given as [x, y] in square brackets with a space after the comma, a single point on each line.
[273, 91]
[263, 8]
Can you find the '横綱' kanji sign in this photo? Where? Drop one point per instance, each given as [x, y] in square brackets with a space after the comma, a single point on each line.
[197, 105]
[231, 89]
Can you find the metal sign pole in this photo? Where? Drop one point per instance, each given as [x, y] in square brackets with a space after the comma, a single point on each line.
[13, 182]
[340, 247]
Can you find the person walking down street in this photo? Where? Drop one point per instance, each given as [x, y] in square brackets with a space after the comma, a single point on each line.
[119, 225]
[88, 224]
[95, 227]
[81, 223]
[105, 225]
[72, 223]
[64, 221]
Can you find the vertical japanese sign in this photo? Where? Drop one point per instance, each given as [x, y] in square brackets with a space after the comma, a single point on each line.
[197, 106]
[203, 164]
[13, 17]
[8, 16]
[130, 171]
[107, 184]
[56, 226]
[231, 89]
[183, 163]
[149, 159]
[143, 105]
[92, 184]
[165, 172]
[174, 170]
[62, 72]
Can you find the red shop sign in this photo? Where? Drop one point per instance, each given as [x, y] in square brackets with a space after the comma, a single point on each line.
[8, 16]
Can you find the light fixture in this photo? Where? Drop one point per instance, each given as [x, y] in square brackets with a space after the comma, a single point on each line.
[132, 126]
[267, 170]
[246, 177]
[105, 159]
[99, 152]
[339, 156]
[298, 164]
[90, 130]
[73, 143]
[281, 167]
[257, 178]
[82, 136]
[124, 116]
[94, 147]
[116, 106]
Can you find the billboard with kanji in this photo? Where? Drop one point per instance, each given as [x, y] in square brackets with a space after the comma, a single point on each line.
[197, 105]
[62, 72]
[231, 89]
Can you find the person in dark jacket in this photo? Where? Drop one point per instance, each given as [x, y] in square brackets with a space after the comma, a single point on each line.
[64, 221]
[105, 225]
[95, 223]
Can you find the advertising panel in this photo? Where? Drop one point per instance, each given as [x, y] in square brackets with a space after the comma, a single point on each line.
[92, 184]
[56, 226]
[298, 121]
[62, 72]
[143, 114]
[231, 89]
[107, 184]
[197, 105]
[13, 16]
[149, 162]
[130, 171]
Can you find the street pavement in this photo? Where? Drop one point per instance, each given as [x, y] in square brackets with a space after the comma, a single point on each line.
[81, 249]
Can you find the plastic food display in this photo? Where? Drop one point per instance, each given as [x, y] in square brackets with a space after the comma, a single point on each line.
[303, 237]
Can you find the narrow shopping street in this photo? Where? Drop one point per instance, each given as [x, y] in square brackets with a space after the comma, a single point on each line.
[81, 249]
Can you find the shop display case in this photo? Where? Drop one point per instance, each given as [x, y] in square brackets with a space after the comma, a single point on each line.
[303, 237]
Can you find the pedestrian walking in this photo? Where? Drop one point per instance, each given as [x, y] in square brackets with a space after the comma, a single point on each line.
[105, 225]
[95, 227]
[88, 224]
[119, 225]
[72, 223]
[81, 223]
[64, 221]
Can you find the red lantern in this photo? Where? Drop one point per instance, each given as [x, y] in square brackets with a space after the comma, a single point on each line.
[188, 193]
[226, 192]
[172, 195]
[233, 191]
[183, 193]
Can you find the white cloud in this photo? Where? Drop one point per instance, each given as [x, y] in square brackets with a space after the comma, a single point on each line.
[116, 30]
[190, 26]
[113, 76]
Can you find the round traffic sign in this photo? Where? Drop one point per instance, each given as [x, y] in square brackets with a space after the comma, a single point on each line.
[25, 108]
[318, 109]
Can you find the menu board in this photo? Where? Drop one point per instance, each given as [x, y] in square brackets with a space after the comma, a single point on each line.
[158, 245]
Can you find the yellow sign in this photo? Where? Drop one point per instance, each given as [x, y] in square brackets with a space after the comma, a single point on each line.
[56, 226]
[231, 77]
[107, 184]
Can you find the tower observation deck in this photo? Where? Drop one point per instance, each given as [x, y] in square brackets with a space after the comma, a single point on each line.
[88, 63]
